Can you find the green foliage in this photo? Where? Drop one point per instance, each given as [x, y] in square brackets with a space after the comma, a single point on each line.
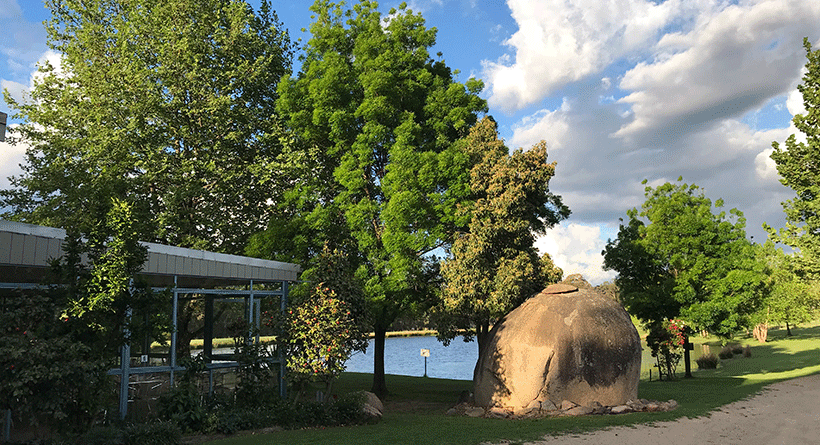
[60, 343]
[370, 162]
[494, 265]
[346, 410]
[676, 257]
[183, 405]
[708, 361]
[666, 340]
[797, 164]
[792, 299]
[149, 433]
[47, 371]
[320, 336]
[166, 105]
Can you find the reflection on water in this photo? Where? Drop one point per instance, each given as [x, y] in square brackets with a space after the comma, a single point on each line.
[402, 356]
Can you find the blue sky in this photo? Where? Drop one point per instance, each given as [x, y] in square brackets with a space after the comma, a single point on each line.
[621, 90]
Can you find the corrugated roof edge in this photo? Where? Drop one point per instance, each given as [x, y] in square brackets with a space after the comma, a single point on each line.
[52, 232]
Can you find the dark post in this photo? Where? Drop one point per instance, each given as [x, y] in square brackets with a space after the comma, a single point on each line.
[3, 121]
[687, 346]
[208, 340]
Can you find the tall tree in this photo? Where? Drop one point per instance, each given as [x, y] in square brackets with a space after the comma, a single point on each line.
[373, 119]
[494, 266]
[798, 164]
[792, 299]
[676, 257]
[168, 106]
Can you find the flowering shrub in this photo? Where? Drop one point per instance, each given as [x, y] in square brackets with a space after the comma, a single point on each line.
[666, 340]
[320, 335]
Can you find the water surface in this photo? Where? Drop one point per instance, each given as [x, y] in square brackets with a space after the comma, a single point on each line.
[402, 356]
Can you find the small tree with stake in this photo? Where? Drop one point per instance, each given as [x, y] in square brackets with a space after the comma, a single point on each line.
[667, 341]
[320, 335]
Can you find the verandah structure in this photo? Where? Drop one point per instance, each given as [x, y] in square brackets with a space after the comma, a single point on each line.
[26, 252]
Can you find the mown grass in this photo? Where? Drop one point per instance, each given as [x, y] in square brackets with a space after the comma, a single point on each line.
[416, 406]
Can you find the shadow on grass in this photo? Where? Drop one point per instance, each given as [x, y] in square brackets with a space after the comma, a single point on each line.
[425, 400]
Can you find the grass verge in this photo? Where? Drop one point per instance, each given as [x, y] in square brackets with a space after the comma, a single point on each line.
[415, 409]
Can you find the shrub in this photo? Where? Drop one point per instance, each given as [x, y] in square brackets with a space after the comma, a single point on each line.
[666, 340]
[151, 433]
[725, 353]
[183, 405]
[737, 349]
[747, 351]
[346, 410]
[708, 361]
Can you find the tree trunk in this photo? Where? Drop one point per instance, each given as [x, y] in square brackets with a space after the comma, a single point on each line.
[482, 336]
[761, 332]
[788, 330]
[379, 384]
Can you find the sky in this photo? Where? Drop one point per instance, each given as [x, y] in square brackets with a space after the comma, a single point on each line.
[621, 90]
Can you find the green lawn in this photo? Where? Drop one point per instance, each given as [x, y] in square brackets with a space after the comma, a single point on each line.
[415, 410]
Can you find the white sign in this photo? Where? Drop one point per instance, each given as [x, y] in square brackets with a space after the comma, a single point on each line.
[425, 353]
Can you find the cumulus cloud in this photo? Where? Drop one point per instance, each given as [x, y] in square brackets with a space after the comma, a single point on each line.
[560, 42]
[15, 89]
[733, 60]
[576, 248]
[11, 156]
[546, 125]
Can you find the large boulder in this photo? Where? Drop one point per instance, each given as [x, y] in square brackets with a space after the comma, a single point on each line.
[563, 344]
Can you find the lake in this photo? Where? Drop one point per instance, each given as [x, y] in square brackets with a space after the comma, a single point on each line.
[402, 356]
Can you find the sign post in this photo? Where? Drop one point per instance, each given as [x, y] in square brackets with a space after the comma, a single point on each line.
[425, 353]
[687, 346]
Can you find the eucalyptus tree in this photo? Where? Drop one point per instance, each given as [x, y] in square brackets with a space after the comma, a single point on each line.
[372, 119]
[676, 257]
[798, 164]
[167, 106]
[494, 266]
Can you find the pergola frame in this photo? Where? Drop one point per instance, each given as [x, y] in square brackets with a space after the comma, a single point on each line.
[26, 251]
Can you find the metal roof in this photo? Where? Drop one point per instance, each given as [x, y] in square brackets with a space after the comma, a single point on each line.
[26, 251]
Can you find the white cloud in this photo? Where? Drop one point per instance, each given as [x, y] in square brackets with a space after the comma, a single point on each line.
[576, 248]
[546, 125]
[560, 42]
[734, 60]
[794, 103]
[16, 90]
[11, 156]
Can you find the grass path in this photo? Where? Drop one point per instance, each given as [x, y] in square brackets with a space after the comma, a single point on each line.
[415, 409]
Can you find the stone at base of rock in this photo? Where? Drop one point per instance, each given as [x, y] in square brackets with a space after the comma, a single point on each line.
[474, 412]
[498, 413]
[579, 411]
[567, 405]
[620, 409]
[547, 405]
[548, 409]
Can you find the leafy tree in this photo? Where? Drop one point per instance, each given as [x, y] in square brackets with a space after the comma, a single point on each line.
[46, 371]
[578, 281]
[677, 258]
[609, 289]
[494, 266]
[792, 299]
[168, 106]
[798, 164]
[321, 336]
[372, 121]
